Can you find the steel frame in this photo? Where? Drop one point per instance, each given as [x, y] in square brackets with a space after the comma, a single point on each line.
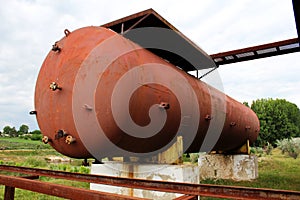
[192, 190]
[54, 189]
[245, 54]
[256, 52]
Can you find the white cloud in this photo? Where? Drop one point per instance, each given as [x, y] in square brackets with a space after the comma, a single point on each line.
[274, 77]
[243, 23]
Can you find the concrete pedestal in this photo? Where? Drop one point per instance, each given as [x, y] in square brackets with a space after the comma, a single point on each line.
[235, 167]
[162, 172]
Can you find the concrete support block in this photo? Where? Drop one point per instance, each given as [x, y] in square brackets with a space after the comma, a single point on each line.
[235, 167]
[161, 172]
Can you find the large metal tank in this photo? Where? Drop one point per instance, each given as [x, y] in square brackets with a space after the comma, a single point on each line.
[98, 94]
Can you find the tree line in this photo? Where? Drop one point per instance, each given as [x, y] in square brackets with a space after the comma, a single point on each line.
[22, 132]
[279, 119]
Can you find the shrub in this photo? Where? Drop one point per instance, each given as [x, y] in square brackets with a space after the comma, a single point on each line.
[36, 137]
[268, 149]
[289, 146]
[257, 151]
[84, 170]
[194, 157]
[34, 162]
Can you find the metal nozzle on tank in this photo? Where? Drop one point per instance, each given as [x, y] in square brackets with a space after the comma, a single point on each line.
[60, 133]
[56, 48]
[164, 105]
[70, 139]
[46, 139]
[54, 86]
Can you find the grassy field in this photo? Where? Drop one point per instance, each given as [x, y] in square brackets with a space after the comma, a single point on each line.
[276, 171]
[28, 153]
[7, 143]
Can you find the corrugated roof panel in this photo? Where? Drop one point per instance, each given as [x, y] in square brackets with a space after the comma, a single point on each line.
[242, 55]
[218, 59]
[269, 50]
[289, 46]
[229, 57]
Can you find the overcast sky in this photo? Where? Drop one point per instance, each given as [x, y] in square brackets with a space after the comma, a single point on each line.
[30, 27]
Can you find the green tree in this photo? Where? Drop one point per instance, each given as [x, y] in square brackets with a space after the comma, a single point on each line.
[279, 119]
[6, 130]
[11, 131]
[246, 104]
[36, 135]
[23, 129]
[36, 132]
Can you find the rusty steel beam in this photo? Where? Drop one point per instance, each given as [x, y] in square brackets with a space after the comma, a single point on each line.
[139, 21]
[187, 197]
[138, 15]
[9, 193]
[256, 52]
[219, 191]
[128, 18]
[57, 190]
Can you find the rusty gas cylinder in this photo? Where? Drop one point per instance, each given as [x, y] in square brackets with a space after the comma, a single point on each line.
[99, 94]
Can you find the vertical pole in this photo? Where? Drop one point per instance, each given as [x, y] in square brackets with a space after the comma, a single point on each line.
[131, 175]
[122, 28]
[296, 7]
[9, 193]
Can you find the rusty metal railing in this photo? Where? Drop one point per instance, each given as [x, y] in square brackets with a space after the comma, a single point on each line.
[188, 190]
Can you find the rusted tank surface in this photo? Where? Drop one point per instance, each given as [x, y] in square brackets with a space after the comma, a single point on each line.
[99, 94]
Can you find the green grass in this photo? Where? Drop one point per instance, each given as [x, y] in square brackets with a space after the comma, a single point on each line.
[23, 152]
[18, 143]
[276, 171]
[28, 153]
[20, 140]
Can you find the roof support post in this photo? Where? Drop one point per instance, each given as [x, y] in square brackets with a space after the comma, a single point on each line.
[296, 7]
